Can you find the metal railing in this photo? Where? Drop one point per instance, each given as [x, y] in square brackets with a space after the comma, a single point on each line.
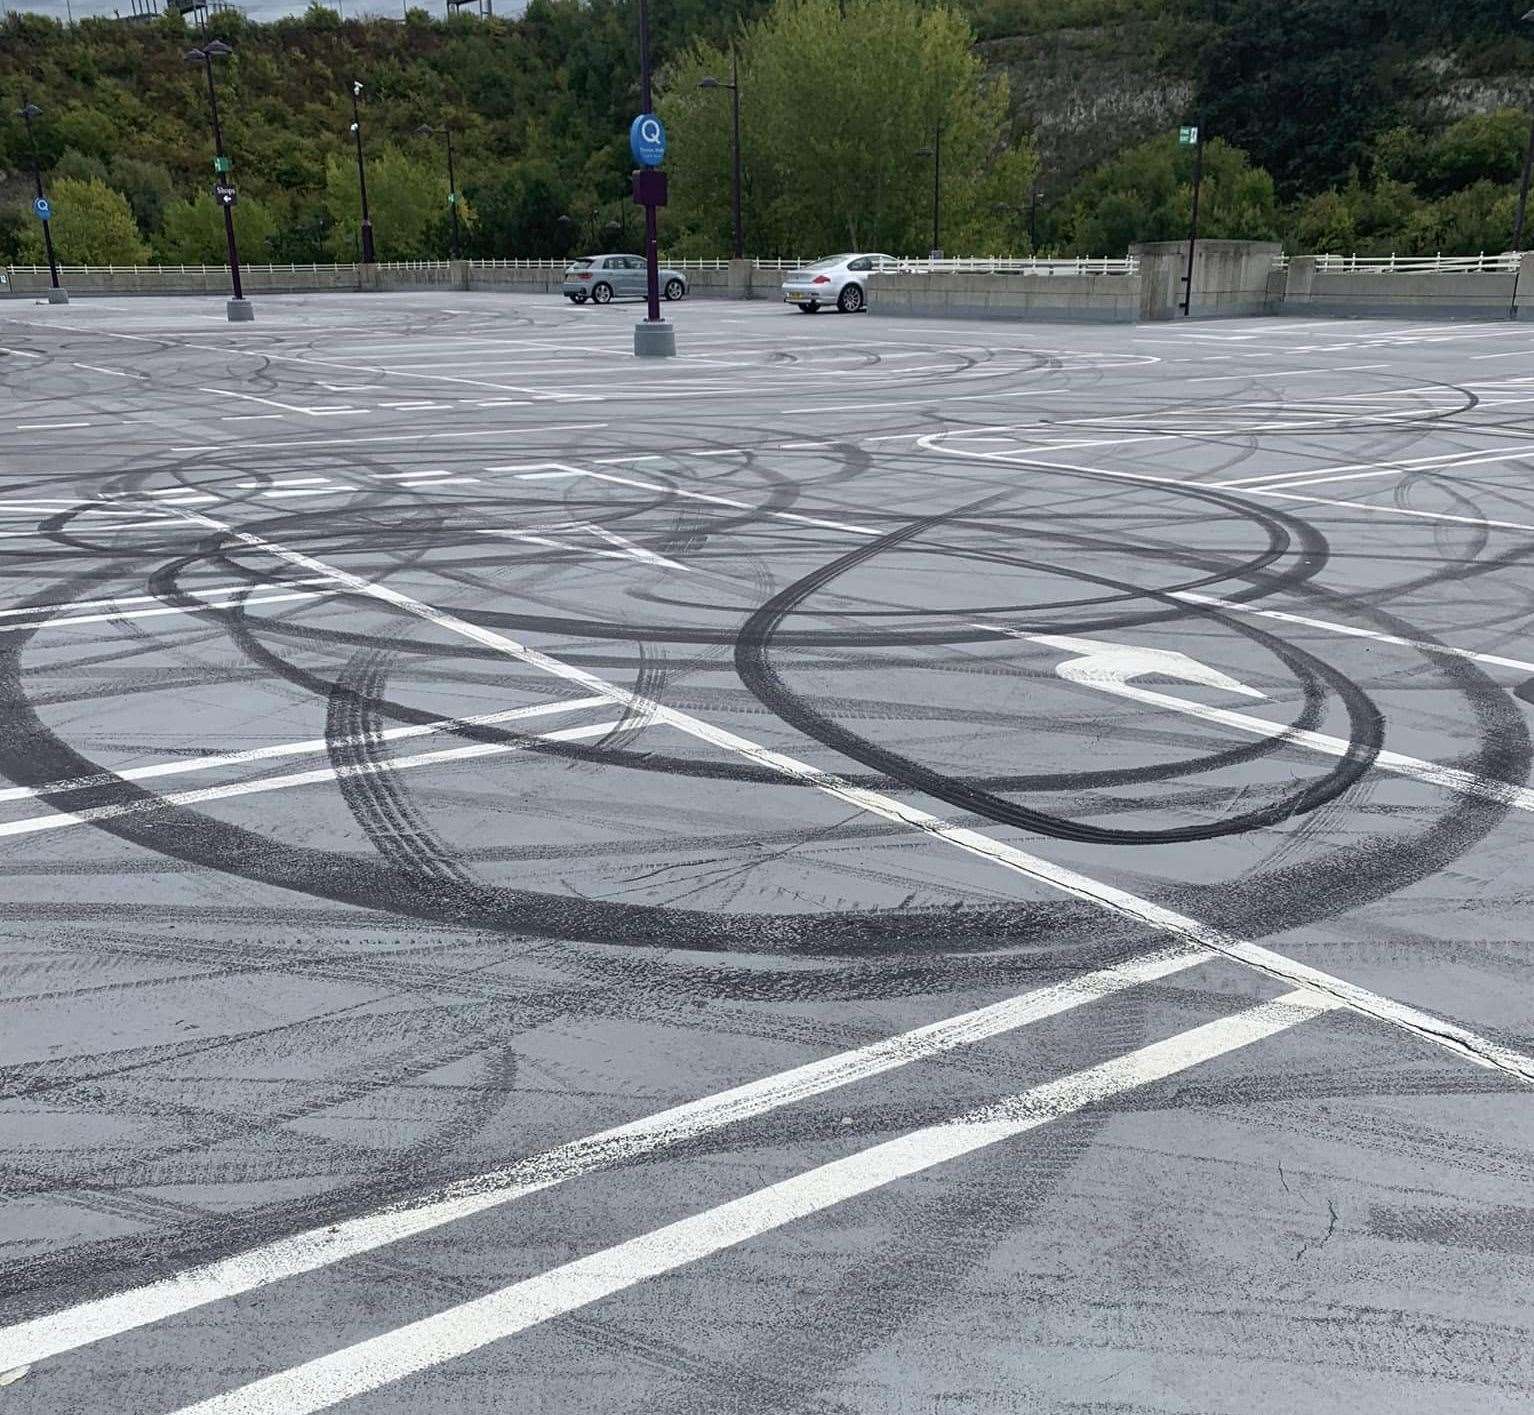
[1504, 264]
[1006, 265]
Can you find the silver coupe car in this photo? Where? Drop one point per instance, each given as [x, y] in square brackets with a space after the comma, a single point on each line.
[840, 280]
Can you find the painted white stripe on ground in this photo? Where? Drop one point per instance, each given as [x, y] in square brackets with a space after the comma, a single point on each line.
[1110, 898]
[1284, 616]
[159, 599]
[64, 819]
[312, 747]
[52, 1335]
[1483, 788]
[59, 621]
[560, 469]
[382, 1360]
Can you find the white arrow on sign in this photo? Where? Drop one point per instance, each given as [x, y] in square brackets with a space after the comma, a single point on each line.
[1110, 667]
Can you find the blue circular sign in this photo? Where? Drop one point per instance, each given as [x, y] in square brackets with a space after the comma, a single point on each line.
[647, 140]
[42, 208]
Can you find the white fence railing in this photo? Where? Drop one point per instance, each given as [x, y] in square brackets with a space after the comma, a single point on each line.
[1004, 265]
[1505, 264]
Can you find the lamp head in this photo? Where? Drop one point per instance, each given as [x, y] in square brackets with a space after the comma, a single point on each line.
[425, 130]
[356, 89]
[351, 127]
[709, 82]
[30, 112]
[217, 49]
[196, 56]
[924, 152]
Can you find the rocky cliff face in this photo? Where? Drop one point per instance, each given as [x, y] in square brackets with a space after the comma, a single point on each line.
[1086, 93]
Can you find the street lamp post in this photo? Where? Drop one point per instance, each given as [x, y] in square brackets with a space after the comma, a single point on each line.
[452, 182]
[368, 257]
[1033, 221]
[935, 152]
[57, 294]
[734, 88]
[238, 308]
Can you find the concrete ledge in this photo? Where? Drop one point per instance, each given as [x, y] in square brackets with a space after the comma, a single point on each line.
[1098, 299]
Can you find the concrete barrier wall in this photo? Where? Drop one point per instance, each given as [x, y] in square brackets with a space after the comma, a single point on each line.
[1110, 299]
[1405, 295]
[170, 280]
[1230, 278]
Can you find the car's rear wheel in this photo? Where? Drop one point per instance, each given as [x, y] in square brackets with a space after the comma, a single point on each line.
[809, 309]
[601, 293]
[578, 299]
[850, 301]
[675, 289]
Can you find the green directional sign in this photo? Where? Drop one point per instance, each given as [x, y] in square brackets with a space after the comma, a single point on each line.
[221, 164]
[1188, 137]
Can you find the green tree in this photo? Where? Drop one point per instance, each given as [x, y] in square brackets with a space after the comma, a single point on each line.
[1146, 194]
[147, 186]
[837, 96]
[194, 232]
[92, 225]
[406, 198]
[518, 215]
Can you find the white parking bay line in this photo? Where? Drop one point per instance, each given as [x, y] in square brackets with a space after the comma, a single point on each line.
[1119, 902]
[312, 747]
[33, 825]
[392, 1356]
[44, 1337]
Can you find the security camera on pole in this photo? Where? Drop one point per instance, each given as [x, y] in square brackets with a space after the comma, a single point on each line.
[654, 337]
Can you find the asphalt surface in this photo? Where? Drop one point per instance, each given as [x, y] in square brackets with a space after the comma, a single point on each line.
[878, 866]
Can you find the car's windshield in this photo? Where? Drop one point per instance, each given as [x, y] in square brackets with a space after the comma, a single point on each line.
[829, 262]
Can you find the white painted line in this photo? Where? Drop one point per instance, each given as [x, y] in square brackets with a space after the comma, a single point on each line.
[1350, 471]
[436, 481]
[568, 471]
[63, 620]
[638, 551]
[44, 1337]
[34, 825]
[306, 491]
[616, 461]
[1287, 373]
[314, 747]
[47, 427]
[369, 1365]
[1109, 897]
[1522, 665]
[396, 437]
[251, 417]
[21, 353]
[251, 588]
[115, 372]
[1482, 788]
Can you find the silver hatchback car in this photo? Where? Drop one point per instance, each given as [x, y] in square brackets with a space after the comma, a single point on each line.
[604, 278]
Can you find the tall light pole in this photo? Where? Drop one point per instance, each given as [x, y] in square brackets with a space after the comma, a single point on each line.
[654, 337]
[739, 250]
[935, 152]
[238, 308]
[57, 294]
[368, 258]
[426, 131]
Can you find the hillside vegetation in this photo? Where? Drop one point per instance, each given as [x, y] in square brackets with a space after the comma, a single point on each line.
[1340, 124]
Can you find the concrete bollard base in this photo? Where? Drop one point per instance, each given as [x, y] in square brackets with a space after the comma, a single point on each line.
[58, 297]
[655, 340]
[240, 311]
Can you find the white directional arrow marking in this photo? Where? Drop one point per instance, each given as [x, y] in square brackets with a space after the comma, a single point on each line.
[1108, 667]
